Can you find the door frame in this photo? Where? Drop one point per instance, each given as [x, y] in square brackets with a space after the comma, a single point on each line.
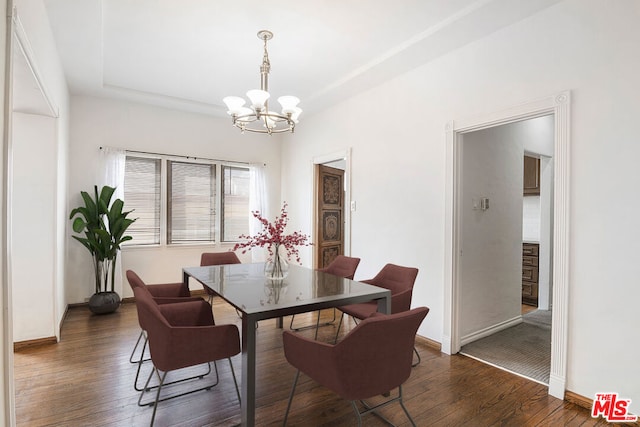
[328, 158]
[557, 105]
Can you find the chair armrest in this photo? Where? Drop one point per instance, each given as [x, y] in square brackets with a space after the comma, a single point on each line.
[170, 290]
[401, 301]
[169, 300]
[377, 314]
[314, 358]
[192, 313]
[191, 345]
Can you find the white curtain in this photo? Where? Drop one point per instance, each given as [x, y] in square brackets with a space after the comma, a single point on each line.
[257, 202]
[111, 172]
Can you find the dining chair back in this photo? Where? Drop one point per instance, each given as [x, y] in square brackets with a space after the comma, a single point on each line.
[217, 258]
[163, 290]
[342, 266]
[374, 358]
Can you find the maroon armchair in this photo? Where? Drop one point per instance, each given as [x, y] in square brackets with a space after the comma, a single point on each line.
[183, 335]
[374, 358]
[399, 280]
[165, 293]
[342, 266]
[217, 258]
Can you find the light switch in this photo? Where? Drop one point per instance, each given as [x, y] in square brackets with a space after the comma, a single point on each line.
[353, 206]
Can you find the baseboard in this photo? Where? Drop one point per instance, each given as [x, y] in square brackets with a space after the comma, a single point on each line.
[491, 330]
[21, 345]
[429, 342]
[77, 304]
[64, 316]
[577, 399]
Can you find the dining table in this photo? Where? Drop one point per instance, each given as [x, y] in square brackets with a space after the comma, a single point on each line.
[257, 298]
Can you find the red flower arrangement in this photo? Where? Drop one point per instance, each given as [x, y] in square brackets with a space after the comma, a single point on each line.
[273, 234]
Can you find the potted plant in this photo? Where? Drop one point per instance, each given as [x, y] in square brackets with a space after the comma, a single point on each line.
[103, 225]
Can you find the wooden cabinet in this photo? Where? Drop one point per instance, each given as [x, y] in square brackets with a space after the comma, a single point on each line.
[530, 273]
[531, 176]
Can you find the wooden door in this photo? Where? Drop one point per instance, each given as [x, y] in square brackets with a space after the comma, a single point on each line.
[531, 176]
[329, 216]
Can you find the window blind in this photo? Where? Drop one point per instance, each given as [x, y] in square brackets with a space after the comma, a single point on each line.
[142, 195]
[191, 202]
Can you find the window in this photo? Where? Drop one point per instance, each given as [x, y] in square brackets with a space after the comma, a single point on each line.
[191, 202]
[178, 201]
[142, 195]
[235, 202]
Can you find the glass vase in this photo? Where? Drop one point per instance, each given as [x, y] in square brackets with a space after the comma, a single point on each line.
[277, 266]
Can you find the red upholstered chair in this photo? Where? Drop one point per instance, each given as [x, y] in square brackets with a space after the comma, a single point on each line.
[399, 280]
[183, 335]
[374, 358]
[217, 258]
[342, 266]
[165, 293]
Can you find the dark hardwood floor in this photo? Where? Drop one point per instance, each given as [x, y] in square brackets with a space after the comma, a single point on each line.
[86, 380]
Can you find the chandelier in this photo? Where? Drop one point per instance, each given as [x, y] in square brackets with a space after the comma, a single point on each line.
[259, 118]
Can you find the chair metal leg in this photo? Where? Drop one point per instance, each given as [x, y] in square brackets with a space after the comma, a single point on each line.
[374, 409]
[155, 404]
[235, 381]
[147, 387]
[293, 390]
[357, 411]
[317, 325]
[133, 352]
[405, 409]
[415, 350]
[335, 340]
[140, 362]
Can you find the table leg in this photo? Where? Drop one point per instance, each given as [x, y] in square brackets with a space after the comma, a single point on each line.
[185, 280]
[384, 305]
[248, 391]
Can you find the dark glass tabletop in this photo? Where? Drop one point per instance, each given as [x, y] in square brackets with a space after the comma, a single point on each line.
[245, 287]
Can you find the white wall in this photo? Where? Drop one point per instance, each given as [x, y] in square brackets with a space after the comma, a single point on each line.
[398, 168]
[33, 238]
[537, 135]
[33, 18]
[490, 271]
[97, 122]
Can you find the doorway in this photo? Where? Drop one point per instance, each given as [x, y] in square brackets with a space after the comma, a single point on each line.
[557, 105]
[502, 245]
[332, 219]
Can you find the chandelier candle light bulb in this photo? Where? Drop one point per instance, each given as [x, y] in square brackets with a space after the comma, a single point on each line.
[259, 118]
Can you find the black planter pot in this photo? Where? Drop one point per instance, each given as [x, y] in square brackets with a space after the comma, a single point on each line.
[104, 302]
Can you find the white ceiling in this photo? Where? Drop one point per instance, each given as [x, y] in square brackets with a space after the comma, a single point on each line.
[189, 54]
